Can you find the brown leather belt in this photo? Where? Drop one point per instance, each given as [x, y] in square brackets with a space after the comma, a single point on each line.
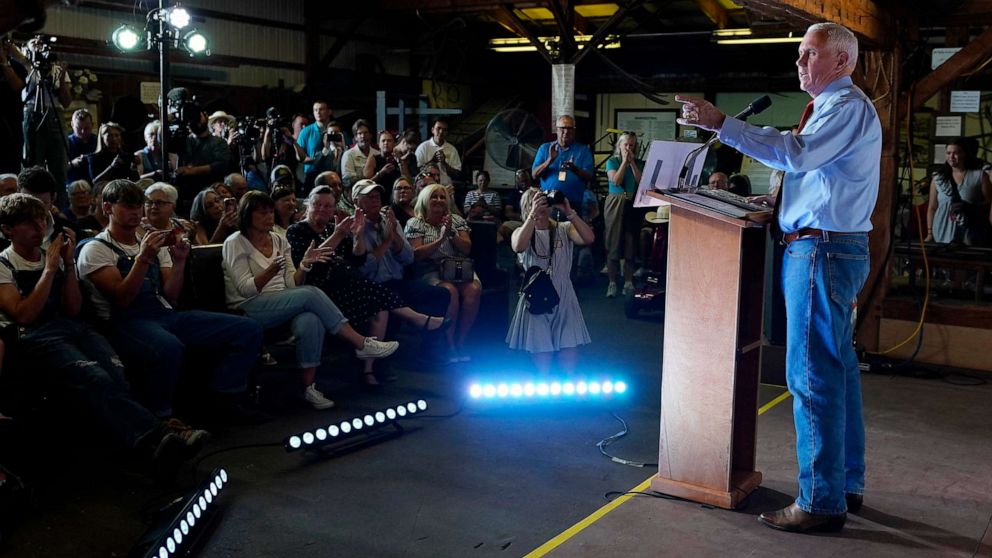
[813, 233]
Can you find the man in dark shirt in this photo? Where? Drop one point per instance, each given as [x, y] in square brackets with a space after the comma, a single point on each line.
[82, 142]
[204, 160]
[12, 74]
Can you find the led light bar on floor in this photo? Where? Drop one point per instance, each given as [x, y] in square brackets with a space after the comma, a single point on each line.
[178, 536]
[323, 435]
[546, 389]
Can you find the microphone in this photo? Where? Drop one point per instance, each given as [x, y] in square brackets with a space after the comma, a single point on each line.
[756, 106]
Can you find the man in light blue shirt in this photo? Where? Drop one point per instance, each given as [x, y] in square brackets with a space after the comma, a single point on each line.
[322, 154]
[831, 165]
[564, 164]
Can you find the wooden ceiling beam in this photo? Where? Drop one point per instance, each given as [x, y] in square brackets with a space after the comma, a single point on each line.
[600, 36]
[715, 11]
[976, 52]
[566, 35]
[865, 18]
[969, 12]
[509, 17]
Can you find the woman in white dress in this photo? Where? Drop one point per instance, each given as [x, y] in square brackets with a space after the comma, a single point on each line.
[562, 330]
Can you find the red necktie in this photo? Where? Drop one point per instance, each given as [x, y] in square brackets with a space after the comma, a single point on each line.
[806, 114]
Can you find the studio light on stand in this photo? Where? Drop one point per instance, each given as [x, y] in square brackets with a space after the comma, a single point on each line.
[164, 30]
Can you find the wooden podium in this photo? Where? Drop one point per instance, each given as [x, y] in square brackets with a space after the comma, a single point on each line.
[711, 363]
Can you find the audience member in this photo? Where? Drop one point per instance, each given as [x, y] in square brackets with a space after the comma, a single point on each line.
[332, 180]
[388, 253]
[403, 198]
[546, 244]
[564, 164]
[439, 151]
[254, 177]
[385, 167]
[151, 154]
[353, 161]
[80, 200]
[718, 181]
[214, 219]
[41, 184]
[286, 210]
[364, 303]
[435, 235]
[322, 152]
[483, 204]
[406, 153]
[39, 292]
[236, 186]
[134, 288]
[959, 198]
[160, 212]
[8, 184]
[222, 125]
[282, 176]
[623, 221]
[12, 75]
[204, 160]
[109, 161]
[81, 142]
[262, 281]
[97, 220]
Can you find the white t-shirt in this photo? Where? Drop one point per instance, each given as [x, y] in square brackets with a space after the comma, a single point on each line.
[20, 264]
[242, 262]
[425, 153]
[96, 255]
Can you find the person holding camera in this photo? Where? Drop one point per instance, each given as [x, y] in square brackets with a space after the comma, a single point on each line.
[134, 285]
[322, 143]
[441, 152]
[12, 75]
[959, 198]
[40, 295]
[109, 161]
[215, 216]
[546, 246]
[564, 164]
[385, 168]
[46, 92]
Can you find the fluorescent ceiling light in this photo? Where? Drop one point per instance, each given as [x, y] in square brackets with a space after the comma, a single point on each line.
[759, 41]
[732, 33]
[522, 44]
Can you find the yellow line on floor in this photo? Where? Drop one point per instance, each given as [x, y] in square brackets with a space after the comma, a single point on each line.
[598, 514]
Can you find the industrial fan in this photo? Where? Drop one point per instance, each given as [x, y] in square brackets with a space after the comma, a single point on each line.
[512, 139]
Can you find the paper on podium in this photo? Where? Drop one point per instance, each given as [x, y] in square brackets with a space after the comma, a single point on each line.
[665, 160]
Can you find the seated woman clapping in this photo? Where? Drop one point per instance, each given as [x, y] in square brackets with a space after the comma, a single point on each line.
[261, 280]
[365, 303]
[436, 234]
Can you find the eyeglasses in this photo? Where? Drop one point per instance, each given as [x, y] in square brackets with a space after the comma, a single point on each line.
[157, 203]
[566, 127]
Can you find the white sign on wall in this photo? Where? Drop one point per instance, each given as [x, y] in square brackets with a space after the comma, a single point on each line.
[965, 101]
[940, 55]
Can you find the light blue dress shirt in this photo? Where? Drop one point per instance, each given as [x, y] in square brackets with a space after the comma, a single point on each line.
[831, 167]
[573, 185]
[390, 266]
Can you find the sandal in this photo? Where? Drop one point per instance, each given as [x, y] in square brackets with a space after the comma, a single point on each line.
[445, 324]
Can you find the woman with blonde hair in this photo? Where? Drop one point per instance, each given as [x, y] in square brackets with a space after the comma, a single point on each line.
[109, 161]
[623, 221]
[435, 235]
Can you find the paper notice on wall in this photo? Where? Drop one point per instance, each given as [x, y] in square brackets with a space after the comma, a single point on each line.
[150, 91]
[940, 153]
[966, 101]
[562, 91]
[948, 126]
[940, 55]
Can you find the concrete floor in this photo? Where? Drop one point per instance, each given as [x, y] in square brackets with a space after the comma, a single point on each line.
[502, 480]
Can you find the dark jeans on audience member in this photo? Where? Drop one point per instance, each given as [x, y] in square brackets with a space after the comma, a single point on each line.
[428, 299]
[156, 343]
[80, 362]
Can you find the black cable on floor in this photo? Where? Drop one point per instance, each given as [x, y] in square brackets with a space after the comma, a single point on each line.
[609, 440]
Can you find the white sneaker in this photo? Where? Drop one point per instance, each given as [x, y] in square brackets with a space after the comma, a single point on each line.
[611, 291]
[315, 398]
[628, 288]
[605, 270]
[373, 348]
[639, 273]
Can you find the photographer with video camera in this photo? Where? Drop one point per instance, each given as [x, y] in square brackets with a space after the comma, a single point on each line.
[322, 143]
[278, 145]
[46, 92]
[12, 74]
[203, 158]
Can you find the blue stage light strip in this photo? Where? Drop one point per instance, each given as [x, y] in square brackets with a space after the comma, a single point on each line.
[546, 389]
[323, 435]
[178, 536]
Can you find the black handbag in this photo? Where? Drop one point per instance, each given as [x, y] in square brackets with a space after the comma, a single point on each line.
[457, 270]
[537, 289]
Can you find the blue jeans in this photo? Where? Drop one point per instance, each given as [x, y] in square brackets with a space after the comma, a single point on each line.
[80, 362]
[309, 312]
[821, 279]
[156, 343]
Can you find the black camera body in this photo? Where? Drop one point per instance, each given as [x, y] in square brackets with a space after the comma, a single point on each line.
[274, 120]
[335, 137]
[555, 197]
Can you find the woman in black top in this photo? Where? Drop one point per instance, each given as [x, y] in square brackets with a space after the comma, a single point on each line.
[110, 162]
[386, 167]
[403, 196]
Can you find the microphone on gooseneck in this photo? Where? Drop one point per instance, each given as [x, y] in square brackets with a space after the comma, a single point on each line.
[757, 106]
